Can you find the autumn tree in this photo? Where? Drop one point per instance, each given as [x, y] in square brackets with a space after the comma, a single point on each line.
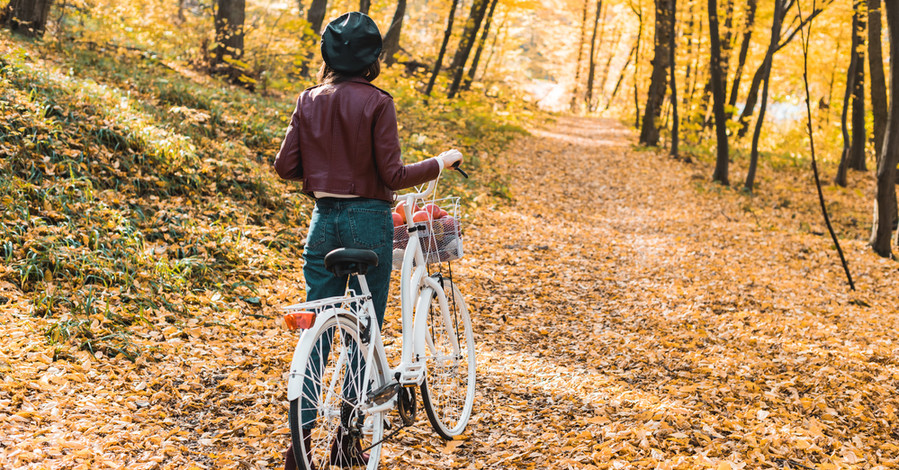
[777, 43]
[229, 38]
[27, 17]
[392, 38]
[481, 44]
[885, 199]
[722, 160]
[853, 155]
[469, 34]
[776, 26]
[580, 55]
[748, 24]
[315, 15]
[649, 132]
[675, 138]
[878, 81]
[447, 33]
[591, 68]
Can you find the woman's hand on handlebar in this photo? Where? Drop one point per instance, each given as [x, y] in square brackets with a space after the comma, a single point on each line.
[450, 158]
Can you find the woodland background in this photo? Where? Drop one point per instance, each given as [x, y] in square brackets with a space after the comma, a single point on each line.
[146, 244]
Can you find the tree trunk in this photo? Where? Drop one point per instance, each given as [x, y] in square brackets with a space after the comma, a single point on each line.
[472, 70]
[364, 6]
[859, 133]
[591, 69]
[630, 56]
[776, 27]
[639, 14]
[229, 33]
[744, 51]
[885, 201]
[446, 37]
[649, 133]
[721, 163]
[878, 80]
[316, 15]
[580, 56]
[469, 34]
[26, 17]
[608, 64]
[851, 76]
[675, 138]
[391, 44]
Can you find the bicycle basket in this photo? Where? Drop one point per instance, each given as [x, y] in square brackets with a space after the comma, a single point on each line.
[441, 238]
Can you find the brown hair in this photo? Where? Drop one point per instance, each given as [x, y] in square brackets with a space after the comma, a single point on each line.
[327, 75]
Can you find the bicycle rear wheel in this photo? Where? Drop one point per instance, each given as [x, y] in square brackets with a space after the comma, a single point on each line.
[449, 387]
[329, 425]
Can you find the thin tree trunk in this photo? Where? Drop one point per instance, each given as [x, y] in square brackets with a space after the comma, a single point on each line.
[469, 34]
[26, 17]
[364, 6]
[580, 55]
[688, 35]
[878, 81]
[588, 97]
[639, 13]
[649, 133]
[392, 39]
[806, 38]
[885, 199]
[630, 57]
[496, 36]
[608, 64]
[446, 37]
[721, 171]
[859, 132]
[776, 27]
[481, 42]
[675, 138]
[748, 24]
[851, 76]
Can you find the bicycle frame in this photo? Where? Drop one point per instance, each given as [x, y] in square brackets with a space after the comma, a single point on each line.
[416, 291]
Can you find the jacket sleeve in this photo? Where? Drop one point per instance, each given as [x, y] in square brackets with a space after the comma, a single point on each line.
[288, 164]
[386, 145]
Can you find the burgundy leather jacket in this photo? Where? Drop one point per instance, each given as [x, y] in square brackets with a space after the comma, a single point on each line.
[343, 139]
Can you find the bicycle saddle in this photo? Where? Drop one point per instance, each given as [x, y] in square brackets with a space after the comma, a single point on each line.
[346, 261]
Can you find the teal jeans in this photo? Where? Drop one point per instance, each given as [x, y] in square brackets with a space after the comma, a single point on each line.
[349, 223]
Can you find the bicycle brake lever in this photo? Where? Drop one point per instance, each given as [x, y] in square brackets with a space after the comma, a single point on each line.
[461, 171]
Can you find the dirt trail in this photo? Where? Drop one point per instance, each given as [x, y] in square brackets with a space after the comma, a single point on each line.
[630, 315]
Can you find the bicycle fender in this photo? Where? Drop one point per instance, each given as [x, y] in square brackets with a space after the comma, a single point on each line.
[301, 351]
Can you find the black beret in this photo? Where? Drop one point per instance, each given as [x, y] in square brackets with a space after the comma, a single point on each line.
[351, 43]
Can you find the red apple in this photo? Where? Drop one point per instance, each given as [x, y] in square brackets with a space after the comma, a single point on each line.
[397, 220]
[432, 209]
[421, 216]
[401, 210]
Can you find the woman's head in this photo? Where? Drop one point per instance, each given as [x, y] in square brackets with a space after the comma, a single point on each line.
[350, 47]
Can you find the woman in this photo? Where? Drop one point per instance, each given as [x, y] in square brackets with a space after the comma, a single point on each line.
[343, 145]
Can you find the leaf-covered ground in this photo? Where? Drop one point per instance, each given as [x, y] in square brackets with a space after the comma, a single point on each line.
[629, 314]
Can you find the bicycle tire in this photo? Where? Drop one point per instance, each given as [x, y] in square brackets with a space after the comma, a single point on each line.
[449, 388]
[335, 416]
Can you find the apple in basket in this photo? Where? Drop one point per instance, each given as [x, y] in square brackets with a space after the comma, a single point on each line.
[435, 211]
[421, 216]
[397, 219]
[401, 210]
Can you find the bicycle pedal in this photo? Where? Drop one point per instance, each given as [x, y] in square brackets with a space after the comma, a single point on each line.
[383, 394]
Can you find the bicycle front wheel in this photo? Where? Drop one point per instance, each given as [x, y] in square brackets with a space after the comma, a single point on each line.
[449, 387]
[329, 425]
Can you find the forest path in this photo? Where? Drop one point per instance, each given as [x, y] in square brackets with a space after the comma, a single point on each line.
[631, 314]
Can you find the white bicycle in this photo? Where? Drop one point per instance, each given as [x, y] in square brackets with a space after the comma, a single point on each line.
[341, 387]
